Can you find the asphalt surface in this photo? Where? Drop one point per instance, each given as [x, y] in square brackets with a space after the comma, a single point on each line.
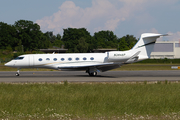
[79, 76]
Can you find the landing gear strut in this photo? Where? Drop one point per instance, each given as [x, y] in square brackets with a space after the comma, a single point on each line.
[17, 74]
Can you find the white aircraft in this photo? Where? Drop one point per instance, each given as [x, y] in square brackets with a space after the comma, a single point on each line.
[90, 62]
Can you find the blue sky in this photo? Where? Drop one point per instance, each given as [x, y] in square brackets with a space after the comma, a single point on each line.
[120, 16]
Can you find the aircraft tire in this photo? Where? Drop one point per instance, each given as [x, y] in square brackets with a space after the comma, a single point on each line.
[17, 74]
[93, 74]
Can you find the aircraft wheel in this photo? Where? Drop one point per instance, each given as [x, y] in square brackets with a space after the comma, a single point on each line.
[93, 74]
[17, 74]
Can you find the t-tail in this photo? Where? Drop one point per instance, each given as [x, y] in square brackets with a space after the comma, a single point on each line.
[141, 51]
[145, 45]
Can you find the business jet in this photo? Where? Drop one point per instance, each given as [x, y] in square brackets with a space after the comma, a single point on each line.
[89, 62]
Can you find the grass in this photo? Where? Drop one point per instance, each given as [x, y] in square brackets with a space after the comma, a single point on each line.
[90, 101]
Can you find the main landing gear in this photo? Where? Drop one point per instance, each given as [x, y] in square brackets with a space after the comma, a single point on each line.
[92, 73]
[17, 74]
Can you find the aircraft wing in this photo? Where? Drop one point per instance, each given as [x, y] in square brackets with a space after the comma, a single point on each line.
[101, 67]
[108, 67]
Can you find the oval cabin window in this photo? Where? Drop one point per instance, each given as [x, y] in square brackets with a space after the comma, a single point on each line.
[91, 58]
[40, 59]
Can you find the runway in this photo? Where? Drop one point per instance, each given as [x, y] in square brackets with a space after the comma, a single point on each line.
[80, 76]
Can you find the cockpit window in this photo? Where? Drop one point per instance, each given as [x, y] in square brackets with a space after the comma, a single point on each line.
[19, 58]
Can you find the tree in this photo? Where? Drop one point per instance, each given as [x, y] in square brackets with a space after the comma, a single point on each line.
[72, 36]
[25, 35]
[123, 45]
[130, 39]
[19, 47]
[105, 39]
[58, 42]
[7, 36]
[50, 36]
[55, 40]
[58, 37]
[82, 46]
[30, 35]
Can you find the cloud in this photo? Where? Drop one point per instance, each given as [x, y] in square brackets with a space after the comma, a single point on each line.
[102, 15]
[174, 36]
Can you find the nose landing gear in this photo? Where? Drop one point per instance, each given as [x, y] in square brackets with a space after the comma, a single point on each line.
[17, 74]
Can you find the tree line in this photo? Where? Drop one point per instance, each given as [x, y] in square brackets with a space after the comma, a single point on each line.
[26, 36]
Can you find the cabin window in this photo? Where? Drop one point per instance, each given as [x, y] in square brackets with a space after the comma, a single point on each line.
[77, 58]
[69, 59]
[62, 59]
[47, 59]
[91, 58]
[84, 58]
[40, 59]
[55, 59]
[19, 58]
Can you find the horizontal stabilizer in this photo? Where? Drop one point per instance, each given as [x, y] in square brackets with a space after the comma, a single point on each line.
[147, 39]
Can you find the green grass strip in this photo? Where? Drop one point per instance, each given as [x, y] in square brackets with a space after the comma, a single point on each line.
[61, 101]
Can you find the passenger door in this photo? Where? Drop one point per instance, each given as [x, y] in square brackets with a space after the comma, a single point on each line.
[31, 60]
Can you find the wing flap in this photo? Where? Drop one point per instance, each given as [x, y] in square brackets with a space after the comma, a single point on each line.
[108, 67]
[101, 67]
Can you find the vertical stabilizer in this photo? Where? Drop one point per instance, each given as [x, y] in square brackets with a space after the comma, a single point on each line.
[146, 44]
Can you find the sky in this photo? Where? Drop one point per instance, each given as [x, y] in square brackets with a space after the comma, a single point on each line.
[123, 17]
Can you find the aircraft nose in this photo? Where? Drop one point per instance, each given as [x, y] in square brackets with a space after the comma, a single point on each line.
[8, 64]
